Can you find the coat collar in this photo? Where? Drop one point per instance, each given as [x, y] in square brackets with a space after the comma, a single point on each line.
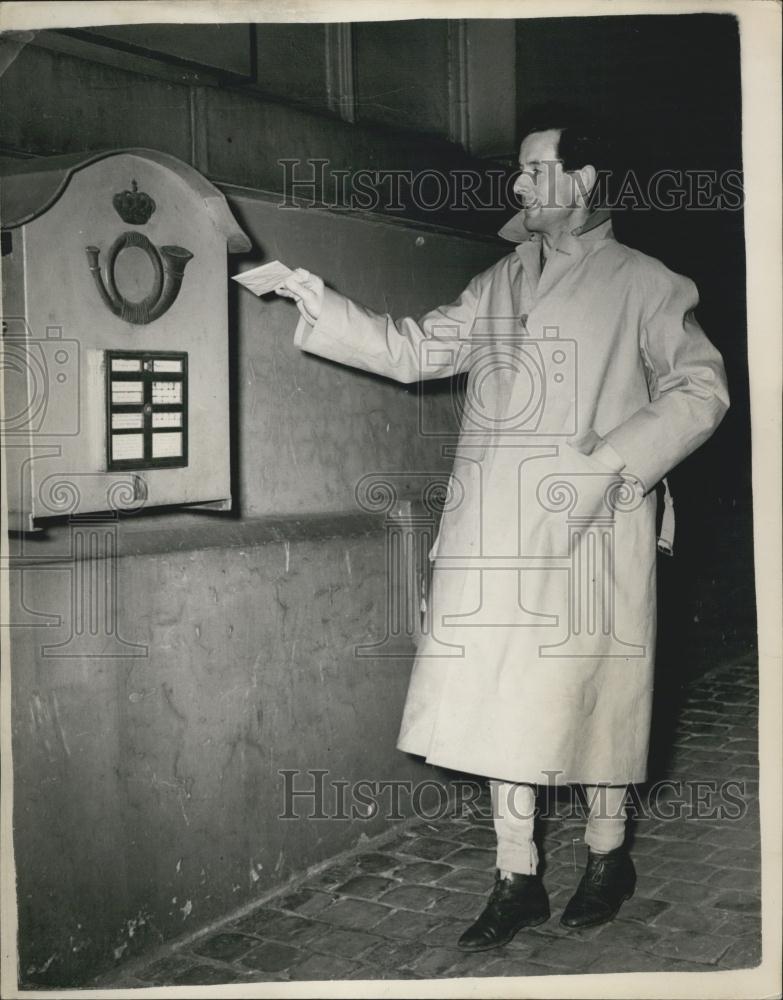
[598, 225]
[570, 246]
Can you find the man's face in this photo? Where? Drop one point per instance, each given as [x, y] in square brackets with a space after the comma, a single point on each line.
[548, 193]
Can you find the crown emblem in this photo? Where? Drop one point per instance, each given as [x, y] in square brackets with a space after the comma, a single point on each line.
[134, 207]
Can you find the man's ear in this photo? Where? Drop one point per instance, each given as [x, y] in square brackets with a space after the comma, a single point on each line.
[585, 182]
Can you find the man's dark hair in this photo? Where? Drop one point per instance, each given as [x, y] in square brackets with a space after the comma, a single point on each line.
[584, 138]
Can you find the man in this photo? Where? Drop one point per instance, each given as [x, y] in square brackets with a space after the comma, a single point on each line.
[589, 379]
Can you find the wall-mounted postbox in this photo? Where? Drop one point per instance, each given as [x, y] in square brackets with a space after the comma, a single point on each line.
[115, 335]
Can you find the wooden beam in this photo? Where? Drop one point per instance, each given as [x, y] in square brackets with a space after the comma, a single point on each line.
[340, 88]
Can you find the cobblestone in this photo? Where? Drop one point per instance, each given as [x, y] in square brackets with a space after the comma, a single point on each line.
[397, 911]
[472, 857]
[480, 837]
[686, 892]
[391, 955]
[459, 904]
[646, 910]
[357, 913]
[365, 886]
[224, 947]
[733, 859]
[412, 897]
[740, 902]
[164, 970]
[743, 954]
[376, 862]
[468, 880]
[693, 946]
[346, 943]
[422, 871]
[272, 957]
[565, 952]
[285, 927]
[428, 848]
[205, 975]
[735, 879]
[323, 967]
[445, 934]
[306, 903]
[682, 851]
[690, 917]
[436, 962]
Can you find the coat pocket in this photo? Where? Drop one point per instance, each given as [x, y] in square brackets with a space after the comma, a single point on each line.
[582, 462]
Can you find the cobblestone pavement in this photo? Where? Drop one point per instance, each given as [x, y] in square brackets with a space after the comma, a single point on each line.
[396, 912]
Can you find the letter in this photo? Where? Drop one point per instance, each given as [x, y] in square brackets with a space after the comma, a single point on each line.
[417, 193]
[340, 188]
[702, 189]
[365, 194]
[601, 190]
[461, 806]
[292, 185]
[395, 179]
[630, 187]
[634, 807]
[581, 188]
[339, 811]
[509, 189]
[316, 793]
[395, 787]
[699, 800]
[655, 809]
[465, 183]
[370, 801]
[731, 181]
[443, 799]
[739, 801]
[662, 201]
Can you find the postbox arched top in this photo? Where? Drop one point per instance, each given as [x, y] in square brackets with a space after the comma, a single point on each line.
[29, 188]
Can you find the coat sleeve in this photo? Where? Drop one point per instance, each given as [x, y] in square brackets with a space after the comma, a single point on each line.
[407, 350]
[688, 391]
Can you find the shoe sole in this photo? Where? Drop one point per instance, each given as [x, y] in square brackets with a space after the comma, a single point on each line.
[499, 944]
[601, 920]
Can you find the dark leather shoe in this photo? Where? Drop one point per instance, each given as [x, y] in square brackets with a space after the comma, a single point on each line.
[516, 902]
[608, 881]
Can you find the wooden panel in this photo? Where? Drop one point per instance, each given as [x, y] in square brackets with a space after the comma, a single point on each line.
[54, 103]
[402, 74]
[223, 47]
[291, 62]
[490, 58]
[245, 140]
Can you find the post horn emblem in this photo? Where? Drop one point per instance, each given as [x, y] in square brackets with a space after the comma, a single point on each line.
[168, 265]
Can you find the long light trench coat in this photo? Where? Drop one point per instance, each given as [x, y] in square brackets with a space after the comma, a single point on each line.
[537, 664]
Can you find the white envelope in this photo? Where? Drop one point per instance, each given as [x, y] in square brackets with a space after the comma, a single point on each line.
[265, 278]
